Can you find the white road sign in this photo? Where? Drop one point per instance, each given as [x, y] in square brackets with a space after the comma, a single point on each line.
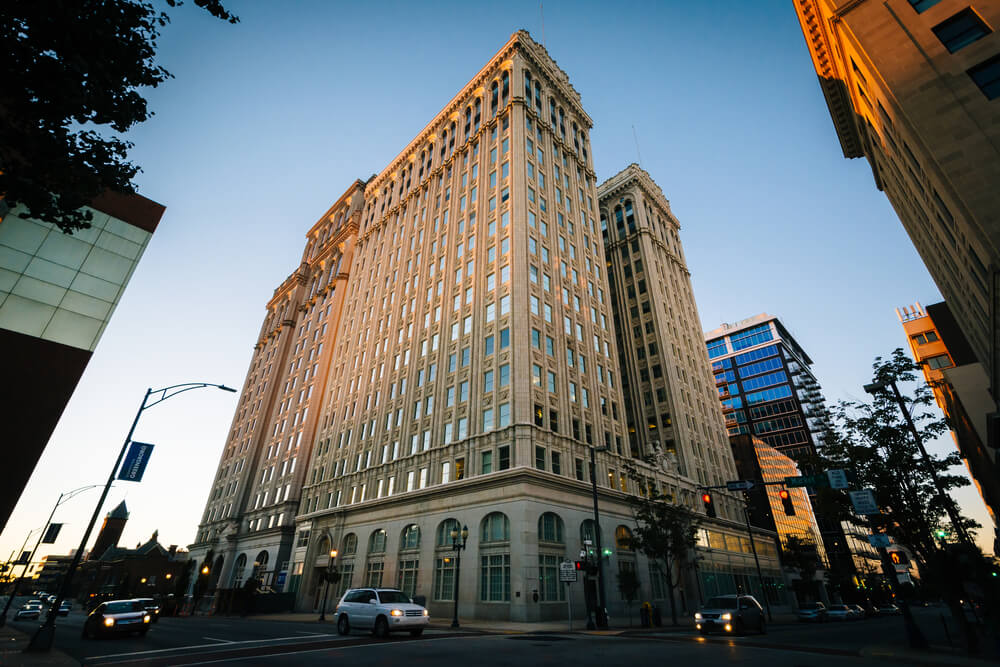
[864, 502]
[838, 478]
[567, 571]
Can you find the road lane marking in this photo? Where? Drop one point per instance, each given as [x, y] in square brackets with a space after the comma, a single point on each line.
[316, 650]
[214, 639]
[191, 646]
[303, 632]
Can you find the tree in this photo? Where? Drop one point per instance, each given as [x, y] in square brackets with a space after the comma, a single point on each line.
[665, 533]
[872, 439]
[628, 585]
[799, 554]
[72, 73]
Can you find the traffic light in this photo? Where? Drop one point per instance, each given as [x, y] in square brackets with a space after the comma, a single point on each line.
[899, 558]
[709, 505]
[579, 565]
[786, 502]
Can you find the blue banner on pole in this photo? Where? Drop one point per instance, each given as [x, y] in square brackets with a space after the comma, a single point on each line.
[135, 461]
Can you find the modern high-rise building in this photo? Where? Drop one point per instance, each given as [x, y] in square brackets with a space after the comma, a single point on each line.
[914, 86]
[249, 517]
[765, 382]
[671, 410]
[767, 389]
[961, 388]
[57, 294]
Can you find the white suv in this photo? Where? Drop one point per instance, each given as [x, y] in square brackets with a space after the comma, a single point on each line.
[382, 610]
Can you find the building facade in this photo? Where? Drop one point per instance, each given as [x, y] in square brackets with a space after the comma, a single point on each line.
[57, 294]
[961, 388]
[914, 86]
[766, 385]
[767, 390]
[670, 408]
[477, 369]
[248, 522]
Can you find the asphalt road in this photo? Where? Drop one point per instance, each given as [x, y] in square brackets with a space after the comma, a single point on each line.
[204, 640]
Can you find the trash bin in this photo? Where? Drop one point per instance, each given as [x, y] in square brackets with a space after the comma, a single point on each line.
[644, 614]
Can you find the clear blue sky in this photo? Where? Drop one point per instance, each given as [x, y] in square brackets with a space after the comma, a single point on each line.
[268, 121]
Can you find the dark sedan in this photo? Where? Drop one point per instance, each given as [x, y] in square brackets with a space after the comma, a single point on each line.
[115, 618]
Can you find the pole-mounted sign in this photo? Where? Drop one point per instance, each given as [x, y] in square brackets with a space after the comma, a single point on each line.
[51, 533]
[135, 461]
[864, 502]
[740, 485]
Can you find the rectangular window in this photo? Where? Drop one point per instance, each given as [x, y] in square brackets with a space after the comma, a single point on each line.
[444, 578]
[494, 578]
[986, 75]
[503, 457]
[556, 463]
[504, 338]
[960, 30]
[486, 463]
[504, 375]
[488, 381]
[488, 424]
[540, 457]
[550, 589]
[488, 346]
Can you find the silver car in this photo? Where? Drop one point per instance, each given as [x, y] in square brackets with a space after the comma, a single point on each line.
[731, 614]
[381, 610]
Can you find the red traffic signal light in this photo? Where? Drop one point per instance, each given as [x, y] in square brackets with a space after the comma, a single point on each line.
[786, 502]
[579, 565]
[709, 505]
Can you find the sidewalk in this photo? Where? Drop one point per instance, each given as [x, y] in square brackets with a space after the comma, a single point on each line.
[12, 643]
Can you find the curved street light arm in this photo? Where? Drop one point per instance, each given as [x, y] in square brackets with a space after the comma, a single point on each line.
[169, 392]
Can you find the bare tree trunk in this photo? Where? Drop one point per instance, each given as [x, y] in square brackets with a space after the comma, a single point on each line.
[670, 589]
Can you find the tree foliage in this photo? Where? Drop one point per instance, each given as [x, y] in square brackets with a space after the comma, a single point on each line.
[72, 71]
[665, 533]
[873, 441]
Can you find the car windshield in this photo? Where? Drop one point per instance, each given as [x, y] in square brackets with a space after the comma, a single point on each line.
[121, 607]
[721, 603]
[393, 597]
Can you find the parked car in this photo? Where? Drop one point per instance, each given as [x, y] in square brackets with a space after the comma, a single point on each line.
[64, 608]
[117, 617]
[381, 610]
[30, 610]
[840, 612]
[814, 612]
[152, 607]
[859, 611]
[731, 614]
[888, 610]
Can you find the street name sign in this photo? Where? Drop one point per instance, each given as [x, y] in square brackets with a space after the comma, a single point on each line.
[808, 480]
[879, 540]
[567, 571]
[864, 502]
[741, 485]
[837, 478]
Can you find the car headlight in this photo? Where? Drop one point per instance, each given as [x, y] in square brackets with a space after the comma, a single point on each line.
[697, 616]
[146, 618]
[727, 616]
[108, 622]
[426, 613]
[396, 612]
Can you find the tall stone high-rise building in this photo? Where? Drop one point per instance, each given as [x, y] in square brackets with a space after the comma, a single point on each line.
[476, 369]
[249, 517]
[914, 86]
[472, 374]
[671, 407]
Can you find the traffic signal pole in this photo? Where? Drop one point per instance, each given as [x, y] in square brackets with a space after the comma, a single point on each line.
[753, 548]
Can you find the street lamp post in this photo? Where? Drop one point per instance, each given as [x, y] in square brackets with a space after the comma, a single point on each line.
[601, 612]
[924, 458]
[458, 548]
[331, 574]
[43, 637]
[63, 497]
